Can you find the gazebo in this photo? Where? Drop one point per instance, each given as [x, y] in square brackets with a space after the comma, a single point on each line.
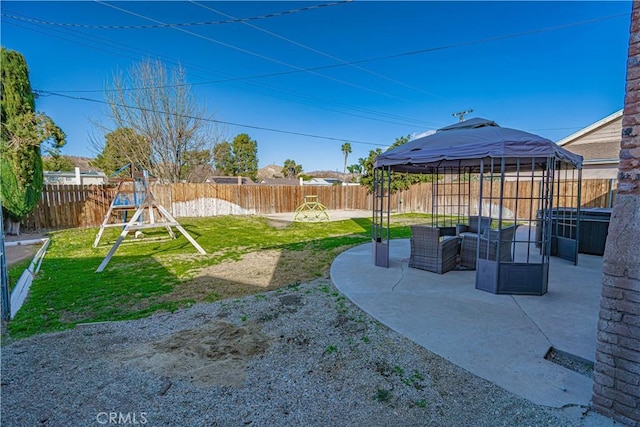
[471, 164]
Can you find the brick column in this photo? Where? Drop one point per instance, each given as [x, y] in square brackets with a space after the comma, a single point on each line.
[616, 379]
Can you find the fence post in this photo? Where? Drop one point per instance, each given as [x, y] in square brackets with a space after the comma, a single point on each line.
[610, 196]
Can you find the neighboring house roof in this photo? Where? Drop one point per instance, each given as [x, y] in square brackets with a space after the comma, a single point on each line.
[229, 180]
[280, 181]
[323, 181]
[597, 143]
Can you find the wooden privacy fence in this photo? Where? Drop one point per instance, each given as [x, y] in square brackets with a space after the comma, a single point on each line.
[201, 200]
[71, 206]
[520, 198]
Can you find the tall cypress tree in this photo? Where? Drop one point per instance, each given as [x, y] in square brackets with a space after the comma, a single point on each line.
[245, 151]
[23, 131]
[237, 158]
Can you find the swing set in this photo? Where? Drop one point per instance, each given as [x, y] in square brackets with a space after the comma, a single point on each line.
[134, 195]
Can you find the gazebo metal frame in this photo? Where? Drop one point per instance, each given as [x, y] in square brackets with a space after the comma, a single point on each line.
[479, 156]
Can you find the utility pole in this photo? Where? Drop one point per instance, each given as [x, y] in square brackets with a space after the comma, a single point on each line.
[462, 113]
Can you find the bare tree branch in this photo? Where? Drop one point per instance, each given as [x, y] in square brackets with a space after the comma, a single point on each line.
[165, 113]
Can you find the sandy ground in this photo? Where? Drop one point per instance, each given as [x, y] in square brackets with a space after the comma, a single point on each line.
[216, 354]
[334, 215]
[21, 252]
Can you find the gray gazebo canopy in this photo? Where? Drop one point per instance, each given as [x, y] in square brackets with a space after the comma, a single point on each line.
[482, 153]
[465, 144]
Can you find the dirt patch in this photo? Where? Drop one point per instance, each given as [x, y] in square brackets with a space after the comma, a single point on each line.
[278, 224]
[254, 269]
[19, 253]
[215, 354]
[26, 235]
[334, 215]
[254, 272]
[407, 221]
[16, 253]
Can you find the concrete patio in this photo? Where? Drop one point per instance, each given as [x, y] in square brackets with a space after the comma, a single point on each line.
[501, 338]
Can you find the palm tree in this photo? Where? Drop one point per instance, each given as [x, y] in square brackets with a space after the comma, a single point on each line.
[291, 169]
[346, 149]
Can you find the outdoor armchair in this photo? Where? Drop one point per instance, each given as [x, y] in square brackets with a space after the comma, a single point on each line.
[477, 225]
[488, 246]
[432, 252]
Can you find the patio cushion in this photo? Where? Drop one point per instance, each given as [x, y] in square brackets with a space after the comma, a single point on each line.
[431, 251]
[488, 246]
[477, 224]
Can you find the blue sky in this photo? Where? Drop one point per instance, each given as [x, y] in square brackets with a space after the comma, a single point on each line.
[549, 68]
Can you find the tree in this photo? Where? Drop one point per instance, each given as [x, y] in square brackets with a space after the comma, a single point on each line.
[197, 166]
[245, 151]
[157, 104]
[356, 170]
[346, 150]
[223, 159]
[366, 164]
[238, 158]
[291, 169]
[23, 132]
[121, 147]
[399, 181]
[57, 162]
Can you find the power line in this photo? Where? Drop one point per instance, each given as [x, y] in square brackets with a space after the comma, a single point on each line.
[481, 41]
[81, 43]
[443, 47]
[151, 110]
[401, 54]
[319, 52]
[567, 128]
[298, 69]
[258, 55]
[179, 24]
[84, 38]
[421, 51]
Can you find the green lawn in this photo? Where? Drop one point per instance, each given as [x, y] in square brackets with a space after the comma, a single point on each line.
[160, 274]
